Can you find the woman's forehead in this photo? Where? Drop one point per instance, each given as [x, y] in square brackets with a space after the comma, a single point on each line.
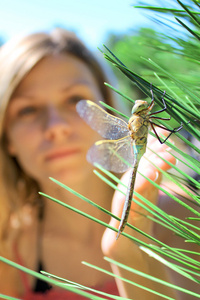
[60, 71]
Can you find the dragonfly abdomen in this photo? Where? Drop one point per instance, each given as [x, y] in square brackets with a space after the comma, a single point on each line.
[128, 199]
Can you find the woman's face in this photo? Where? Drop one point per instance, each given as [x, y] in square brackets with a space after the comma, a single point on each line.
[44, 131]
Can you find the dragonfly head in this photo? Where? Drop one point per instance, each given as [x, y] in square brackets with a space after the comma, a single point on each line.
[139, 106]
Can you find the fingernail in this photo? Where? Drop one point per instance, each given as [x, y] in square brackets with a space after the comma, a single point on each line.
[157, 174]
[151, 174]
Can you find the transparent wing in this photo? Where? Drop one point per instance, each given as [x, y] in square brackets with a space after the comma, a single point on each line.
[105, 124]
[112, 155]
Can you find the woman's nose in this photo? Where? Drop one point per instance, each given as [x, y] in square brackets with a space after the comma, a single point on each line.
[56, 125]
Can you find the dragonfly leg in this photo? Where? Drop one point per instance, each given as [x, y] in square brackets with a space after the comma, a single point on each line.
[170, 130]
[152, 99]
[161, 110]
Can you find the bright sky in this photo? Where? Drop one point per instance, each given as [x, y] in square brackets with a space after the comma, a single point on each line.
[92, 20]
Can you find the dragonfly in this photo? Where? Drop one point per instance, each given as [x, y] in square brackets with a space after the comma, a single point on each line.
[125, 143]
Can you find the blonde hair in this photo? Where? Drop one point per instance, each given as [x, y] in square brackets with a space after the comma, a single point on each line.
[17, 58]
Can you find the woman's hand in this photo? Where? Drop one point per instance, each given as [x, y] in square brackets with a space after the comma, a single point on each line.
[125, 250]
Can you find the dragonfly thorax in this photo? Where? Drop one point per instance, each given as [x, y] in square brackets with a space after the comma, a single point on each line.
[139, 106]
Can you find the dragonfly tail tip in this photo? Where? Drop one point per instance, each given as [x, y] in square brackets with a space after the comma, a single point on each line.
[118, 234]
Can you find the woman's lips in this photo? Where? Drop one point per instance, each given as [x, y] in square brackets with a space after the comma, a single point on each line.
[61, 153]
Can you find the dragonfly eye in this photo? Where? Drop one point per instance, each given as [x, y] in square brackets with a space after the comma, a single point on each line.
[139, 106]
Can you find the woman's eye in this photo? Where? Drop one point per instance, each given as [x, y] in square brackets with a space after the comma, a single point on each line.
[27, 111]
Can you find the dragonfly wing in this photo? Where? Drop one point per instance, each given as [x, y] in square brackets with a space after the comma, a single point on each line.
[116, 156]
[107, 125]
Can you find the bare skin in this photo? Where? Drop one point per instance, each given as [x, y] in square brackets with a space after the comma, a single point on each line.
[44, 108]
[141, 261]
[57, 148]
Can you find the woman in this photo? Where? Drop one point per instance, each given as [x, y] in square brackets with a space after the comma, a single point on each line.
[43, 76]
